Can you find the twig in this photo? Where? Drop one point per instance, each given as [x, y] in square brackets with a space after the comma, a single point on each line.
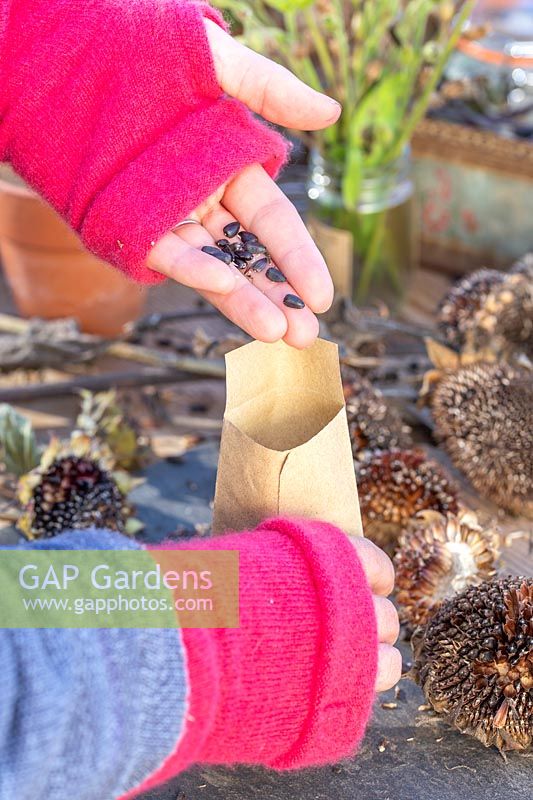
[408, 362]
[145, 355]
[9, 324]
[95, 383]
[374, 322]
[399, 392]
[151, 321]
[195, 422]
[132, 352]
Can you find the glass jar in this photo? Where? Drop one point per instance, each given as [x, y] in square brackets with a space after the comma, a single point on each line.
[371, 250]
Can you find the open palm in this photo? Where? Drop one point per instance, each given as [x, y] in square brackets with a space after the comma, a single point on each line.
[260, 206]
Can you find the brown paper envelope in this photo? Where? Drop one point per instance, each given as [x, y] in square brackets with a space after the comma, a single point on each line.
[285, 445]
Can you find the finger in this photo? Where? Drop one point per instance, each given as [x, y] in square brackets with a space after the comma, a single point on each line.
[377, 566]
[387, 620]
[266, 87]
[302, 325]
[245, 306]
[250, 310]
[174, 257]
[389, 667]
[260, 205]
[254, 315]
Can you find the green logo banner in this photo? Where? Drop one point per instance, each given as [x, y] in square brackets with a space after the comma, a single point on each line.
[119, 589]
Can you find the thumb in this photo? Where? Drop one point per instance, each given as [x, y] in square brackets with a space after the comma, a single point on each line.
[266, 87]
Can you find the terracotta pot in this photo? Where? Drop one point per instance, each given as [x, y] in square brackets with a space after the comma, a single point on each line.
[49, 272]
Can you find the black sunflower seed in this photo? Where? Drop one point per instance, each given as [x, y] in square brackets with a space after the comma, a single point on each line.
[216, 253]
[246, 237]
[222, 243]
[273, 274]
[244, 254]
[240, 263]
[293, 301]
[260, 264]
[231, 229]
[256, 248]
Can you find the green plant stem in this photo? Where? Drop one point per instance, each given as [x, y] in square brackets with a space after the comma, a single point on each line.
[420, 107]
[370, 257]
[344, 54]
[261, 12]
[322, 51]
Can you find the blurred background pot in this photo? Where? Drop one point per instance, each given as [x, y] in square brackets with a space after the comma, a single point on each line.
[50, 273]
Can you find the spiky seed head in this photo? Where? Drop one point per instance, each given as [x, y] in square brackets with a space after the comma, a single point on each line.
[456, 312]
[438, 556]
[395, 485]
[103, 416]
[373, 424]
[474, 662]
[484, 415]
[524, 266]
[73, 487]
[504, 323]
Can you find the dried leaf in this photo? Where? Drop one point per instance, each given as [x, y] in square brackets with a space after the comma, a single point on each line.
[442, 357]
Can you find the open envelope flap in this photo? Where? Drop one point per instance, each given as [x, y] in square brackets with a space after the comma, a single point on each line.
[257, 368]
[285, 443]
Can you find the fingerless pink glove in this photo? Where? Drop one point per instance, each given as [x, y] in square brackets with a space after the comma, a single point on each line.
[111, 111]
[294, 685]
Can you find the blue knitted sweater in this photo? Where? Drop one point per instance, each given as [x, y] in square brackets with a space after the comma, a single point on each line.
[87, 714]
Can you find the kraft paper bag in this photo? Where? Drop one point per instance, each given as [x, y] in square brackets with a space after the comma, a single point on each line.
[285, 446]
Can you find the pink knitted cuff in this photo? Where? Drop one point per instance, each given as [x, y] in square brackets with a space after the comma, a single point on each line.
[345, 669]
[294, 685]
[172, 177]
[112, 111]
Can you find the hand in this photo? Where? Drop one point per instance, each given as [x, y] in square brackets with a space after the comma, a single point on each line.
[380, 575]
[253, 198]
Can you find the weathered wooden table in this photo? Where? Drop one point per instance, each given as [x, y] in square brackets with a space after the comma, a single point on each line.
[408, 753]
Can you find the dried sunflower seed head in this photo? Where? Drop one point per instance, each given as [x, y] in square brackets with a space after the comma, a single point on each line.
[457, 310]
[474, 662]
[503, 325]
[491, 312]
[524, 266]
[373, 424]
[438, 556]
[484, 415]
[394, 486]
[73, 488]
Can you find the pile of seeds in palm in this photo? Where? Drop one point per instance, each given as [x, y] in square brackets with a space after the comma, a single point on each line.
[243, 250]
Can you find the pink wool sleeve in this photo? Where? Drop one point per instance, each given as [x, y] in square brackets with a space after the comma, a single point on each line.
[293, 686]
[111, 110]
